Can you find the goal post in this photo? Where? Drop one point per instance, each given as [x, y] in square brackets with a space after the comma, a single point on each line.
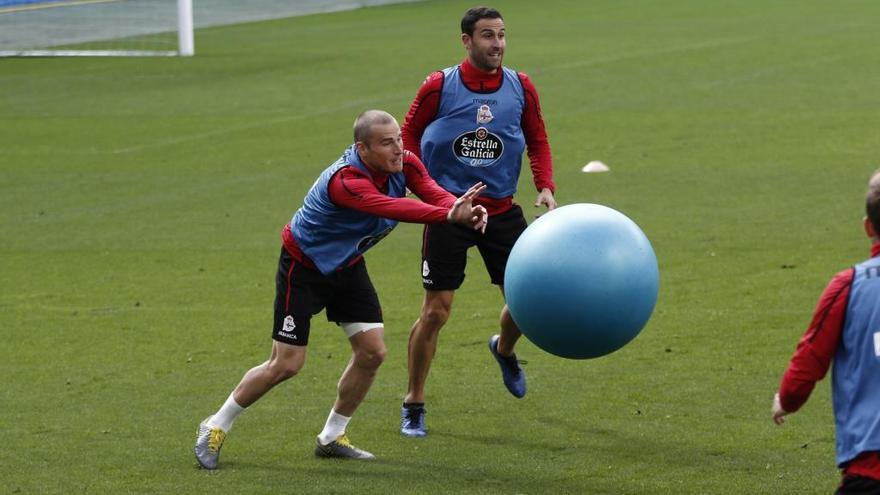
[96, 28]
[185, 40]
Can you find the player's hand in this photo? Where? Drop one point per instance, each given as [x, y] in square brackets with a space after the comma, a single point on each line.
[464, 212]
[778, 412]
[545, 197]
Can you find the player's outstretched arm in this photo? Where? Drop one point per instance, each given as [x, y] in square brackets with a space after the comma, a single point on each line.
[464, 212]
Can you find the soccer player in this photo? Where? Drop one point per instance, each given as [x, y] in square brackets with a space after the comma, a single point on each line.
[471, 123]
[353, 205]
[845, 334]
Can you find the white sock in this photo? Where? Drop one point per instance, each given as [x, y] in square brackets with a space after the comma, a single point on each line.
[226, 415]
[335, 426]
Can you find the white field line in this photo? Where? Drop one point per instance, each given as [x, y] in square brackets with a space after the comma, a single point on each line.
[246, 127]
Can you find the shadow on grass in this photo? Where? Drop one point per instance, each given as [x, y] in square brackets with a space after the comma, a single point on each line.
[592, 460]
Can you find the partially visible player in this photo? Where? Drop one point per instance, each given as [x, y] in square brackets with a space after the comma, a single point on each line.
[353, 205]
[845, 334]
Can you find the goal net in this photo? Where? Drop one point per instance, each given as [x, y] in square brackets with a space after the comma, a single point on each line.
[96, 28]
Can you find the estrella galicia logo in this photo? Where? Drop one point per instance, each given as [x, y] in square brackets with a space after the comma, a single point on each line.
[478, 148]
[370, 241]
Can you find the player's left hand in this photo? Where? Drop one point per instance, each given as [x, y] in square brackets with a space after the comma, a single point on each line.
[545, 197]
[464, 212]
[778, 412]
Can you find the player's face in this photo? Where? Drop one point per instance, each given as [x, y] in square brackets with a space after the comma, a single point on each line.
[486, 47]
[384, 150]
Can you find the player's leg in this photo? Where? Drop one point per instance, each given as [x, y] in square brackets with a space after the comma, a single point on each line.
[444, 257]
[423, 339]
[284, 362]
[495, 247]
[355, 300]
[293, 309]
[510, 332]
[368, 353]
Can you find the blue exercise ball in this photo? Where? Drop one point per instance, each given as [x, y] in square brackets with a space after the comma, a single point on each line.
[581, 281]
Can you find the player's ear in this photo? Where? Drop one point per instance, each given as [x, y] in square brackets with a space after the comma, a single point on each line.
[869, 228]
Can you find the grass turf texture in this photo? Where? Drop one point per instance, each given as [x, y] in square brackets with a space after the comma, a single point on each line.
[141, 201]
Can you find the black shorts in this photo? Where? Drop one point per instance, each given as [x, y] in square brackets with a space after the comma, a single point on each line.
[445, 246]
[300, 292]
[858, 485]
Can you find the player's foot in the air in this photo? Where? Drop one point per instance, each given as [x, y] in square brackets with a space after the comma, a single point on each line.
[514, 378]
[341, 448]
[208, 443]
[412, 421]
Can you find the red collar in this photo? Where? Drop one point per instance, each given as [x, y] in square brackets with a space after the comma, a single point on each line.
[475, 79]
[376, 177]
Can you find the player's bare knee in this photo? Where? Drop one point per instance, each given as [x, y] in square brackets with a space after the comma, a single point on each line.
[434, 317]
[280, 370]
[370, 358]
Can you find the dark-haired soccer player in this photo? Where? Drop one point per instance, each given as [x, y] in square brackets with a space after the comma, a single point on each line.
[353, 205]
[845, 334]
[472, 122]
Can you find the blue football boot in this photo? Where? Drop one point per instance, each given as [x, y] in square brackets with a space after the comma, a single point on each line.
[412, 421]
[514, 378]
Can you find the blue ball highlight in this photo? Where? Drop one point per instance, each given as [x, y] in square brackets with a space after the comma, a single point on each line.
[581, 281]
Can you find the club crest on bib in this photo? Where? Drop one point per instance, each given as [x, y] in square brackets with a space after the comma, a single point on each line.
[478, 148]
[484, 115]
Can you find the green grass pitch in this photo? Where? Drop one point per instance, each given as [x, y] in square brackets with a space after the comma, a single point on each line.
[141, 200]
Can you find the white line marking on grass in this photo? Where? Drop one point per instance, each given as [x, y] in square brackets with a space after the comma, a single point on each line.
[753, 75]
[652, 53]
[246, 127]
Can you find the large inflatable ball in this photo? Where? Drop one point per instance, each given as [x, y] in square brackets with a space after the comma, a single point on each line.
[581, 281]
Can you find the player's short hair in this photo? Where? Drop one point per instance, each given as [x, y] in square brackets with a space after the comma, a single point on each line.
[872, 200]
[475, 14]
[363, 124]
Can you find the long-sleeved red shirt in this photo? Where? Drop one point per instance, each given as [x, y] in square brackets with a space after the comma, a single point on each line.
[814, 353]
[424, 108]
[367, 193]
